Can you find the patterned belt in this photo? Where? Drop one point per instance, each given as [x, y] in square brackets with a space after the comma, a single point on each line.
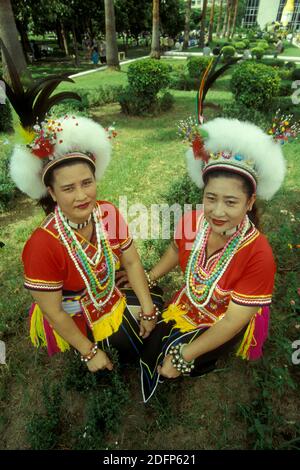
[71, 305]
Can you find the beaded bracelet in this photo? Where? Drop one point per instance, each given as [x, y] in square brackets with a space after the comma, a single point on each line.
[153, 315]
[151, 283]
[91, 354]
[183, 366]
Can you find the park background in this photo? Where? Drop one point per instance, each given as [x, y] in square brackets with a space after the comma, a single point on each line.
[54, 403]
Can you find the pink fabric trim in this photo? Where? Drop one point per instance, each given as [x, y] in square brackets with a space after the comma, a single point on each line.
[260, 334]
[51, 342]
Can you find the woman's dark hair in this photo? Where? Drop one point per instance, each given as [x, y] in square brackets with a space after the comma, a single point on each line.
[248, 188]
[46, 202]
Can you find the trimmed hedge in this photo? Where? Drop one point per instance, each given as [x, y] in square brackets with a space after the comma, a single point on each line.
[196, 66]
[254, 85]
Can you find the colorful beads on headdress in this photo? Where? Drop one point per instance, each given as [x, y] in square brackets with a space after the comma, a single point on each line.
[283, 128]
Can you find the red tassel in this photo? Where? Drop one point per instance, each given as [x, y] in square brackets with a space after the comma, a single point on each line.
[199, 150]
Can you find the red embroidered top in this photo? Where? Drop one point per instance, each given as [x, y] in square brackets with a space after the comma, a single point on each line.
[47, 265]
[248, 280]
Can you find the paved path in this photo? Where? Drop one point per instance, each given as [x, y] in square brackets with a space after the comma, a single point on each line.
[100, 69]
[183, 55]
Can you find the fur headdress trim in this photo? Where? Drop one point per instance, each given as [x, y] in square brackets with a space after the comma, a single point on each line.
[69, 137]
[243, 148]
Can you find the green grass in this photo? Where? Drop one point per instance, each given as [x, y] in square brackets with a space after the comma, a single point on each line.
[213, 412]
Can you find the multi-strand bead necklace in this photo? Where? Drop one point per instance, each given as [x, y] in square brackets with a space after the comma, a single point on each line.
[99, 291]
[200, 285]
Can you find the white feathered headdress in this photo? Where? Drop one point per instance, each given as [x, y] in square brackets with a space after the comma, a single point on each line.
[69, 137]
[242, 148]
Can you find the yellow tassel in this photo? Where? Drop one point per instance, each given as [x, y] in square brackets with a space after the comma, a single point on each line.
[243, 350]
[174, 312]
[26, 135]
[109, 323]
[37, 332]
[61, 343]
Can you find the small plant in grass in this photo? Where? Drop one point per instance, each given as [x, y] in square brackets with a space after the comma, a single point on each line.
[104, 410]
[6, 121]
[7, 187]
[43, 428]
[196, 67]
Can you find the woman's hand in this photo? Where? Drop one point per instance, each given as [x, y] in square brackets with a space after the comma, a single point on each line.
[122, 279]
[167, 369]
[99, 362]
[146, 326]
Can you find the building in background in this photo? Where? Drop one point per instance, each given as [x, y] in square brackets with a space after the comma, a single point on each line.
[196, 4]
[262, 12]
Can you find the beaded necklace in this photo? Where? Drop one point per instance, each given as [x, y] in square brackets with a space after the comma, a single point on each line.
[99, 291]
[200, 285]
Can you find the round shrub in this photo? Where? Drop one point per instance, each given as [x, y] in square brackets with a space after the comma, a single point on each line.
[296, 74]
[263, 45]
[273, 62]
[257, 52]
[236, 110]
[254, 84]
[196, 66]
[290, 65]
[286, 88]
[148, 76]
[240, 46]
[228, 52]
[166, 101]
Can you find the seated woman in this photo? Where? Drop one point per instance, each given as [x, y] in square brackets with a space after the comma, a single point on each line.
[71, 259]
[227, 262]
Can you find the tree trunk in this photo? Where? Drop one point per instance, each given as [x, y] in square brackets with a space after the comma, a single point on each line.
[111, 37]
[155, 44]
[60, 40]
[24, 38]
[75, 48]
[236, 4]
[65, 42]
[219, 19]
[188, 10]
[225, 18]
[203, 20]
[227, 34]
[10, 38]
[211, 21]
[230, 14]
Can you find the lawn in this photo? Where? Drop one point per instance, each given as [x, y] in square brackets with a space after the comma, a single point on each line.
[239, 406]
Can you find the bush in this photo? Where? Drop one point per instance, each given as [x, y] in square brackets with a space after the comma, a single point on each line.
[254, 84]
[6, 121]
[296, 74]
[136, 105]
[273, 62]
[7, 186]
[290, 65]
[104, 95]
[257, 52]
[285, 88]
[240, 46]
[148, 77]
[243, 113]
[228, 52]
[263, 45]
[166, 101]
[197, 66]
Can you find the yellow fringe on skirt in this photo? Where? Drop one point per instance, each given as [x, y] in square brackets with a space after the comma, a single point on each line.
[175, 313]
[110, 322]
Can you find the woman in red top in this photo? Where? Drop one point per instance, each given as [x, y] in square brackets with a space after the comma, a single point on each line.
[227, 263]
[71, 259]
